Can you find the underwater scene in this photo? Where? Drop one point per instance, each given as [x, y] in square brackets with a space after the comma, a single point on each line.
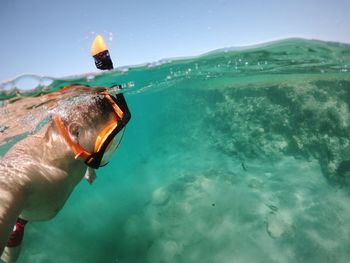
[238, 155]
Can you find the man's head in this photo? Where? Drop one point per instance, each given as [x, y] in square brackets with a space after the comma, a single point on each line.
[92, 125]
[85, 120]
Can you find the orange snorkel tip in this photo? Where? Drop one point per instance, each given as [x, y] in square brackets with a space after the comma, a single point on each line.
[100, 54]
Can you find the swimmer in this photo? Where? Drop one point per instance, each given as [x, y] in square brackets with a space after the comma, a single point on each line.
[38, 174]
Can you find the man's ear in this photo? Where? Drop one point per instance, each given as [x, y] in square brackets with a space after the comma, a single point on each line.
[74, 130]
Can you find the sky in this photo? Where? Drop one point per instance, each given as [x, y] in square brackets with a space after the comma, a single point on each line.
[53, 38]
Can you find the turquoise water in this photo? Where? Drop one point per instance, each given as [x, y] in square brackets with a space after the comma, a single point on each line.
[239, 155]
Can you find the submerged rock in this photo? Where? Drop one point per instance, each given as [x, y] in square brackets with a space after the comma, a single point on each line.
[277, 226]
[302, 119]
[160, 196]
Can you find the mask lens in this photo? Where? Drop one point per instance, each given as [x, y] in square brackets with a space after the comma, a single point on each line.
[111, 148]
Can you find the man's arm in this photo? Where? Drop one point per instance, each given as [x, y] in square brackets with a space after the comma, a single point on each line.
[11, 205]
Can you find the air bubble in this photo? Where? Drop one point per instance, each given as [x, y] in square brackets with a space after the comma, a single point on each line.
[27, 82]
[90, 78]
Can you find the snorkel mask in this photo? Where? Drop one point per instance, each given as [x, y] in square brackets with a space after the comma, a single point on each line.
[108, 138]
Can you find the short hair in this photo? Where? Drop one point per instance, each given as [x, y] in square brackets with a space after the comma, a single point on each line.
[84, 104]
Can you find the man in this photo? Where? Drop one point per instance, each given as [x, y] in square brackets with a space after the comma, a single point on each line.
[38, 174]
